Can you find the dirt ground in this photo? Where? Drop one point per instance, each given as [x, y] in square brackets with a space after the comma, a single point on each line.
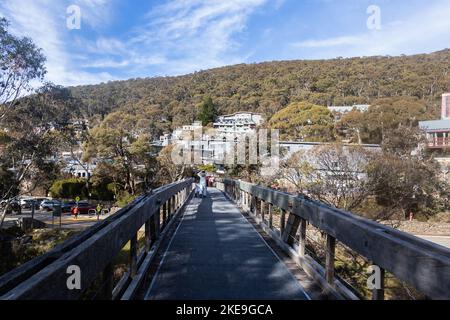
[421, 228]
[426, 228]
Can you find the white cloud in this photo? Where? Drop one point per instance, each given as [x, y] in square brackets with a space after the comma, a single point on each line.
[180, 36]
[44, 22]
[425, 31]
[197, 34]
[330, 42]
[95, 13]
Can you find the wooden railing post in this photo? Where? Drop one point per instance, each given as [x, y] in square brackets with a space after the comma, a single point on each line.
[108, 282]
[270, 211]
[302, 238]
[290, 229]
[165, 205]
[244, 200]
[329, 259]
[378, 294]
[148, 236]
[133, 255]
[172, 205]
[263, 209]
[282, 221]
[157, 222]
[168, 206]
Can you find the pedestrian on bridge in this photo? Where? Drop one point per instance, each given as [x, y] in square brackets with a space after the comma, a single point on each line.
[202, 176]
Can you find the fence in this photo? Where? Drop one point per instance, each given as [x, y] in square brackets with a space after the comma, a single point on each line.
[94, 252]
[286, 218]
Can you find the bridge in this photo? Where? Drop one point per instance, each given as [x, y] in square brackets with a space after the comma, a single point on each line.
[243, 241]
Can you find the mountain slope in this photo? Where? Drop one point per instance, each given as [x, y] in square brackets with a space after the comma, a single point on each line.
[270, 86]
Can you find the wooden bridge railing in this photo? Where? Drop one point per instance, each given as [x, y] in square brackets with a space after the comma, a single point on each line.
[94, 251]
[419, 263]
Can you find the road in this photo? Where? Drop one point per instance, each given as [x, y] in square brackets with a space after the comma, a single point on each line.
[67, 221]
[441, 240]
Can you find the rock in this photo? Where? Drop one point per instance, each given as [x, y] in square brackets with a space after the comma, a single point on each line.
[25, 224]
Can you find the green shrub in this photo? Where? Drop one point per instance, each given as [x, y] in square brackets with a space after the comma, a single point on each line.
[69, 188]
[124, 199]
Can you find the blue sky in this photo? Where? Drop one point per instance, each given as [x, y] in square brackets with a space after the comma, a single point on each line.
[121, 39]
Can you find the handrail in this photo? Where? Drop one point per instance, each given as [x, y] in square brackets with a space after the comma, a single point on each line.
[95, 249]
[420, 263]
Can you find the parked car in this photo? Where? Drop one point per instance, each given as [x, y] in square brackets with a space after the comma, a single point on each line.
[39, 200]
[48, 205]
[83, 208]
[14, 206]
[67, 206]
[28, 203]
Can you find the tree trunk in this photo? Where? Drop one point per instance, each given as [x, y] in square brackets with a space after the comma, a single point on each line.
[3, 214]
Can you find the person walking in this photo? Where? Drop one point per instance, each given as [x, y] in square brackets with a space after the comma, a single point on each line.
[202, 176]
[99, 211]
[76, 211]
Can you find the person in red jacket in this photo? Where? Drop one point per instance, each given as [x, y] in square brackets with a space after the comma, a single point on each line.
[75, 212]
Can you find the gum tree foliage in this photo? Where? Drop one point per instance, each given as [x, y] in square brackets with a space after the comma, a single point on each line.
[168, 170]
[339, 175]
[407, 184]
[20, 63]
[31, 127]
[297, 170]
[26, 124]
[304, 121]
[207, 112]
[123, 148]
[269, 87]
[386, 115]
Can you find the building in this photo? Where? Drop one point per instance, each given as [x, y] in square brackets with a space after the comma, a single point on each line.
[213, 144]
[438, 131]
[238, 123]
[340, 111]
[288, 148]
[445, 109]
[76, 168]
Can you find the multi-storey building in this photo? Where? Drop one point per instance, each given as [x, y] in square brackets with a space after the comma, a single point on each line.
[438, 131]
[238, 123]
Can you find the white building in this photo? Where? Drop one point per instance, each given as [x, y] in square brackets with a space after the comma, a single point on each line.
[340, 111]
[73, 166]
[288, 148]
[238, 123]
[213, 144]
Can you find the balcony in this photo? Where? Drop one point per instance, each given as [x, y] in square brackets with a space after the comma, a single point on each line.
[438, 143]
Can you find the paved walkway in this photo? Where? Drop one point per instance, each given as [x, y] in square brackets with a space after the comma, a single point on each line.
[217, 254]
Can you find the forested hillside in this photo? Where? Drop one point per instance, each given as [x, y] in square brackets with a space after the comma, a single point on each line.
[271, 86]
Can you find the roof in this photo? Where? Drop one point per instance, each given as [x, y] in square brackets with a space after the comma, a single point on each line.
[435, 125]
[241, 112]
[285, 143]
